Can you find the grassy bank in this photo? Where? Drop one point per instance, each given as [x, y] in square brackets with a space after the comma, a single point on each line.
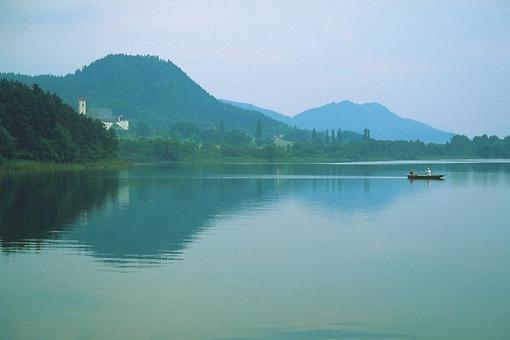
[20, 165]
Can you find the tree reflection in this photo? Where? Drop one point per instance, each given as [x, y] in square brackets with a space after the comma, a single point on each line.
[34, 207]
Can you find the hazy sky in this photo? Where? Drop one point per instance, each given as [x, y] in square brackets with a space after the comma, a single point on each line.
[446, 63]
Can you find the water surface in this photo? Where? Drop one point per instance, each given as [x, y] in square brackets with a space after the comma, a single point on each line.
[257, 251]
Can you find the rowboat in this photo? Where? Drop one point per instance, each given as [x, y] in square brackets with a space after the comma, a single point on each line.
[429, 177]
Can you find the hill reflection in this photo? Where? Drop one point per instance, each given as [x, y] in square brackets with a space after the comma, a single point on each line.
[147, 215]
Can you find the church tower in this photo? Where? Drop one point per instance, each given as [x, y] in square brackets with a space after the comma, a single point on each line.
[82, 106]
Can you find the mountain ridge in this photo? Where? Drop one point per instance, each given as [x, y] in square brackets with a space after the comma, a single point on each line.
[383, 123]
[347, 115]
[270, 113]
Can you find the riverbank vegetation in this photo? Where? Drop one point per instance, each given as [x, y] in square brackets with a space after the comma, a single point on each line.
[172, 149]
[22, 165]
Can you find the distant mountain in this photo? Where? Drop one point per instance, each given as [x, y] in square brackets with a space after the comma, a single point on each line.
[347, 135]
[148, 89]
[270, 113]
[383, 123]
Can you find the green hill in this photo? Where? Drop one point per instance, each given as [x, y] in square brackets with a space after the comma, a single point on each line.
[148, 89]
[37, 125]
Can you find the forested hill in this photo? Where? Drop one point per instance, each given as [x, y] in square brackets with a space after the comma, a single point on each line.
[37, 125]
[148, 89]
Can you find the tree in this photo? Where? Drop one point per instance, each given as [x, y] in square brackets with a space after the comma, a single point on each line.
[327, 136]
[314, 136]
[221, 128]
[366, 134]
[270, 152]
[143, 129]
[339, 136]
[66, 149]
[258, 133]
[461, 145]
[7, 143]
[333, 139]
[505, 146]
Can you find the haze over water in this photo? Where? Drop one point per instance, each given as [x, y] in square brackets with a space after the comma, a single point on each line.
[257, 251]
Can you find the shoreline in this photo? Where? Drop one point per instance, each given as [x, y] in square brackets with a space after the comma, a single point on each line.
[21, 165]
[24, 166]
[331, 162]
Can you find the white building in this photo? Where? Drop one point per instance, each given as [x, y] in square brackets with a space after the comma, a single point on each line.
[82, 106]
[105, 115]
[117, 121]
[123, 124]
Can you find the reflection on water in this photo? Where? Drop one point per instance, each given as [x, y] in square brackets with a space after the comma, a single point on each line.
[278, 251]
[131, 218]
[150, 213]
[36, 207]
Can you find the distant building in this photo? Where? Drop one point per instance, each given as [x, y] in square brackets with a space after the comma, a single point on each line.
[280, 141]
[104, 114]
[116, 120]
[123, 124]
[82, 106]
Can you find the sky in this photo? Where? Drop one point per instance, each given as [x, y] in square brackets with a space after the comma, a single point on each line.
[446, 63]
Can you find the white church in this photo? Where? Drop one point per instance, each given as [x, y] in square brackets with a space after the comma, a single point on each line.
[105, 115]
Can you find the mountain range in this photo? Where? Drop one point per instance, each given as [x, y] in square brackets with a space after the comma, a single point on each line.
[157, 92]
[383, 123]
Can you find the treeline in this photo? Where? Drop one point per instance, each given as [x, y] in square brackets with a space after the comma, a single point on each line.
[370, 149]
[37, 125]
[190, 131]
[222, 135]
[162, 149]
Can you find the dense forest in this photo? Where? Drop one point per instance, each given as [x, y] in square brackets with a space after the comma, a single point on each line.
[37, 125]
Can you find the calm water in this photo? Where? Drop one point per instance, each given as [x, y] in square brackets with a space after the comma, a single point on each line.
[257, 251]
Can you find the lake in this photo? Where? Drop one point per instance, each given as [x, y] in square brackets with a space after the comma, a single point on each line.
[258, 251]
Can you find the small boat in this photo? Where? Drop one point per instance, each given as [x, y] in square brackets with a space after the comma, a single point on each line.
[430, 177]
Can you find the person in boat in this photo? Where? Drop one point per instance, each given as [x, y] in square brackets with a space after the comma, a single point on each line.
[411, 172]
[428, 172]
